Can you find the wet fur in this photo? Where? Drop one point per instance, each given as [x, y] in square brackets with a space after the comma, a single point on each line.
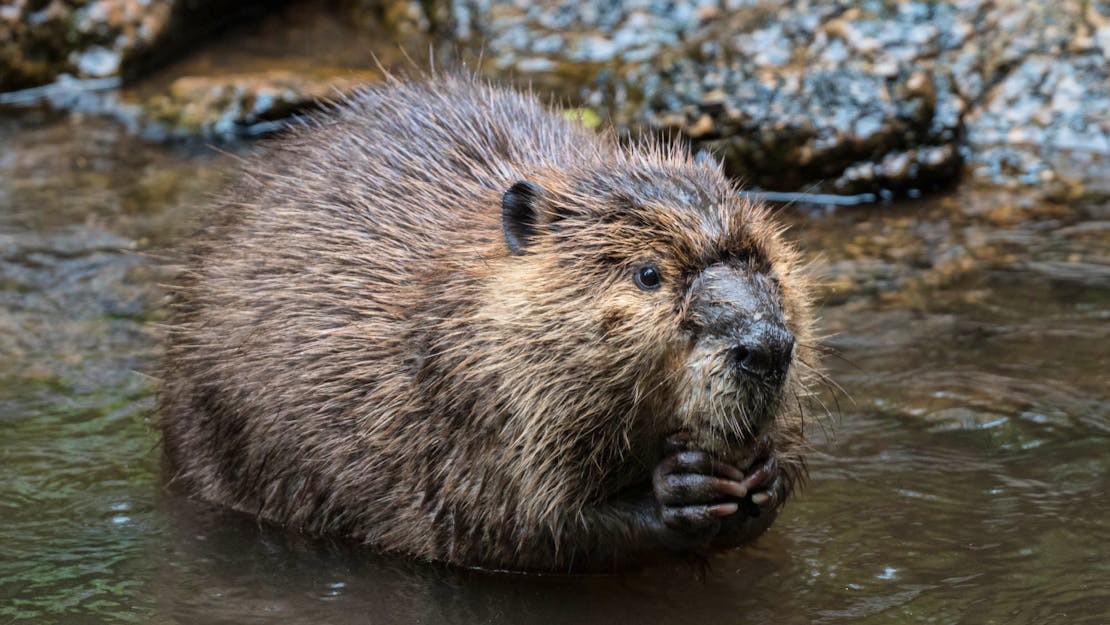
[355, 351]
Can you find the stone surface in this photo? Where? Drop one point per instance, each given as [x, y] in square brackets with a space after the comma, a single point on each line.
[846, 97]
[242, 104]
[880, 97]
[1046, 123]
[88, 39]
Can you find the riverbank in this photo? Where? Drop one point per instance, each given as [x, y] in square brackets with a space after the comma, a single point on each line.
[883, 97]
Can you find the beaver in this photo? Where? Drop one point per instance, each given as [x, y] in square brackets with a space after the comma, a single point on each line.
[448, 322]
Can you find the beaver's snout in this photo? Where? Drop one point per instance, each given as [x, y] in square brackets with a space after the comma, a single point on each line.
[764, 352]
[742, 310]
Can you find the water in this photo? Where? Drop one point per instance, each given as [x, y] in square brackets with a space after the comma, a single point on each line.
[964, 479]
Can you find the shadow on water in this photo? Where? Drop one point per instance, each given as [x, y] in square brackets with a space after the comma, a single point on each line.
[964, 479]
[239, 571]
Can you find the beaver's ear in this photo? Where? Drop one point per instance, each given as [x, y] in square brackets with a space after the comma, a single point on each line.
[521, 214]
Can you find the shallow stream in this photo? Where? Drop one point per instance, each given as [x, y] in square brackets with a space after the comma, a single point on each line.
[962, 479]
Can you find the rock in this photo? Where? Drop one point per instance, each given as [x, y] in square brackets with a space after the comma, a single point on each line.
[921, 167]
[1046, 123]
[242, 104]
[794, 126]
[231, 89]
[563, 45]
[401, 17]
[785, 93]
[835, 95]
[88, 39]
[845, 98]
[878, 97]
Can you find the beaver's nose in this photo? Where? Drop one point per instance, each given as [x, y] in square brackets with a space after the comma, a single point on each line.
[764, 352]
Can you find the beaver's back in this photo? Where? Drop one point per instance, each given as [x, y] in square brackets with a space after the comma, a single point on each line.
[412, 166]
[294, 311]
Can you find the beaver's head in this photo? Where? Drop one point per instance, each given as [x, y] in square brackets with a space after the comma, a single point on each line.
[646, 296]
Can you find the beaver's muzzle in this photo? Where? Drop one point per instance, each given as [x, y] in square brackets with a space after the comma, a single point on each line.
[764, 352]
[742, 310]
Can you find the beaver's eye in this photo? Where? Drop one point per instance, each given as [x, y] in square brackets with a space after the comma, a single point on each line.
[647, 278]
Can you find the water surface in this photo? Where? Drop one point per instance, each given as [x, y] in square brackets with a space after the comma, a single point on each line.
[963, 480]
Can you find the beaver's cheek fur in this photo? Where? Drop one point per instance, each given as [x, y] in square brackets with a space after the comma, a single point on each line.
[723, 412]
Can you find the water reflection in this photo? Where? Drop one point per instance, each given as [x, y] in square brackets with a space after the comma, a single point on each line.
[964, 480]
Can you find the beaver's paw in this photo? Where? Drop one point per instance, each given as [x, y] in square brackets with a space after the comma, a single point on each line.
[766, 488]
[765, 481]
[693, 492]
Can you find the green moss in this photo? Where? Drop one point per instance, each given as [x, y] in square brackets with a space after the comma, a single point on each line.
[585, 116]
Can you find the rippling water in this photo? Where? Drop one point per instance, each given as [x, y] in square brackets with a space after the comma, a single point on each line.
[963, 479]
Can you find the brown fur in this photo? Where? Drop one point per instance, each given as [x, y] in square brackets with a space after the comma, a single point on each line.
[355, 351]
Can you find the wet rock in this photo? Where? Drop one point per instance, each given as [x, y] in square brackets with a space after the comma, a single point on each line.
[242, 104]
[564, 45]
[403, 17]
[87, 39]
[795, 126]
[785, 94]
[40, 40]
[924, 167]
[844, 96]
[1046, 123]
[878, 97]
[566, 31]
